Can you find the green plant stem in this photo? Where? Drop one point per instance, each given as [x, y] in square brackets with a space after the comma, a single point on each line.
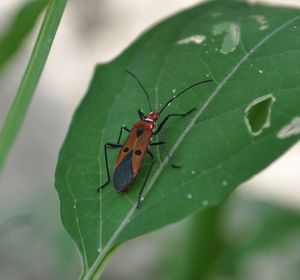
[204, 244]
[31, 77]
[100, 269]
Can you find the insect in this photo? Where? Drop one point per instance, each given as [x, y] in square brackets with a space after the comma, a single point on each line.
[137, 144]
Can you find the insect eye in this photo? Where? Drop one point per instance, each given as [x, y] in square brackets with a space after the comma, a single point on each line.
[126, 149]
[138, 152]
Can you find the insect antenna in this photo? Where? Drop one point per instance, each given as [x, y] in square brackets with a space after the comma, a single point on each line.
[182, 92]
[141, 85]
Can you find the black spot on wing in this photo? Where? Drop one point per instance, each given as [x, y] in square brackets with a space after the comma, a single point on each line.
[139, 131]
[123, 175]
[138, 152]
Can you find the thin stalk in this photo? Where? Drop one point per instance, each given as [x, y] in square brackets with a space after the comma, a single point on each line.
[100, 268]
[204, 245]
[30, 78]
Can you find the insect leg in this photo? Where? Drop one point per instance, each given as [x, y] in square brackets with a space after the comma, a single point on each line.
[120, 134]
[172, 115]
[143, 187]
[106, 162]
[141, 114]
[167, 150]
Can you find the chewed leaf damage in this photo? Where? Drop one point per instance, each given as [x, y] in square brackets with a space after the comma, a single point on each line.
[231, 31]
[196, 39]
[291, 129]
[258, 114]
[263, 24]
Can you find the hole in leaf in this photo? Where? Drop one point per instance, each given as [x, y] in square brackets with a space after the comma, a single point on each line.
[258, 114]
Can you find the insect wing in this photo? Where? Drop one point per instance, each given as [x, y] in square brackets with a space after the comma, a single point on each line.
[131, 156]
[123, 174]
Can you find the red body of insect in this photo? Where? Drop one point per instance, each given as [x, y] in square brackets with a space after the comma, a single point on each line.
[133, 151]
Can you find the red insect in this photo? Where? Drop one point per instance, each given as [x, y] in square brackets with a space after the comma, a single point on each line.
[137, 144]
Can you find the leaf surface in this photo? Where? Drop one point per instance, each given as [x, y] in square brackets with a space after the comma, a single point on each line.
[246, 57]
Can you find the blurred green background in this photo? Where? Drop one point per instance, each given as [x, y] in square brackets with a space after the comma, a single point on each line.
[254, 235]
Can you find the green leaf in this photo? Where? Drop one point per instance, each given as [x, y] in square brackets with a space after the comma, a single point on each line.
[21, 25]
[214, 146]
